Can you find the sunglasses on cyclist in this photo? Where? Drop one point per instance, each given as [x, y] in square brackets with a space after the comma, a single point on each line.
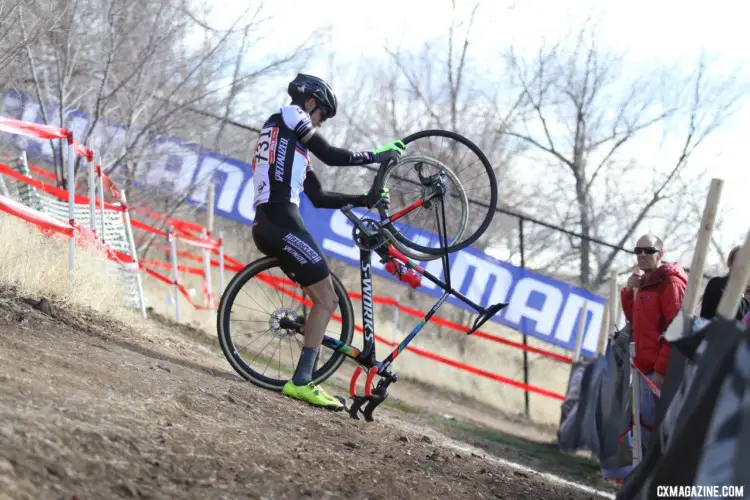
[645, 250]
[325, 113]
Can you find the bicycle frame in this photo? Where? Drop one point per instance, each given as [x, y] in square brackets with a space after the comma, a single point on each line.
[366, 357]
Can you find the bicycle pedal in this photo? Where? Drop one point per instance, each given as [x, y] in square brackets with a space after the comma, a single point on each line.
[342, 400]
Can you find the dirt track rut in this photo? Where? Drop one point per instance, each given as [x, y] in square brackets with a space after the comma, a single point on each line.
[91, 409]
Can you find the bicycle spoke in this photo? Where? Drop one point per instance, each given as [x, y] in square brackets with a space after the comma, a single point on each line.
[264, 348]
[271, 358]
[256, 338]
[256, 301]
[245, 341]
[262, 289]
[251, 309]
[279, 294]
[253, 333]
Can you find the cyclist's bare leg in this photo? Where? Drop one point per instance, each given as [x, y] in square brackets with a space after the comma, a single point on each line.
[324, 301]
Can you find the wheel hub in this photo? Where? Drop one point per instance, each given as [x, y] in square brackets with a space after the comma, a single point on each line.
[282, 322]
[433, 186]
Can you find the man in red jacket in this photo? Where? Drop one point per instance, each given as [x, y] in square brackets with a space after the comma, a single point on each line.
[660, 288]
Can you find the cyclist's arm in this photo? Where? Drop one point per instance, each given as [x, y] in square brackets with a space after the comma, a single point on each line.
[329, 199]
[333, 156]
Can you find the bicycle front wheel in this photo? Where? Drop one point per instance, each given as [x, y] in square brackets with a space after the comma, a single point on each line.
[258, 325]
[445, 162]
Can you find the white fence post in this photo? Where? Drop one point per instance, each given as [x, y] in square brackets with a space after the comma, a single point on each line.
[635, 384]
[207, 271]
[614, 302]
[71, 203]
[101, 198]
[134, 253]
[210, 208]
[221, 264]
[92, 196]
[3, 188]
[580, 332]
[175, 276]
[209, 234]
[601, 346]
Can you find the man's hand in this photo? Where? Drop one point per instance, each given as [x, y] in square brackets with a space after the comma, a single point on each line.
[391, 151]
[382, 196]
[634, 281]
[658, 380]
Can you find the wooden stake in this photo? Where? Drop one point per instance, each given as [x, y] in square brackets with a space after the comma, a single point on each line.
[701, 247]
[738, 280]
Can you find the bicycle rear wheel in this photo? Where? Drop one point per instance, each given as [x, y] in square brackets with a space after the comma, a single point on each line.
[457, 176]
[253, 324]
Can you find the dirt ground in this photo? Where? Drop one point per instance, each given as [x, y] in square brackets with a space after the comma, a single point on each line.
[93, 408]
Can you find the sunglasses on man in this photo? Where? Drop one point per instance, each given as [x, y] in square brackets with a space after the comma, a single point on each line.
[645, 250]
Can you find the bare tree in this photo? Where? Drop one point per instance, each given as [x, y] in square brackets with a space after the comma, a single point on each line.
[142, 71]
[23, 22]
[439, 85]
[585, 115]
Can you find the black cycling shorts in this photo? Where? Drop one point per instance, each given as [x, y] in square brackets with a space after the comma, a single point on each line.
[279, 232]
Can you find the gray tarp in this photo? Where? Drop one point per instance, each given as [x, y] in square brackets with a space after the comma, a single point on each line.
[596, 410]
[704, 436]
[703, 431]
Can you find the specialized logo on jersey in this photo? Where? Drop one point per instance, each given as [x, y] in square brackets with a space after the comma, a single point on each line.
[281, 160]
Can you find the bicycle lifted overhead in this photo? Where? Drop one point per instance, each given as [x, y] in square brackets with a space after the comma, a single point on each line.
[433, 186]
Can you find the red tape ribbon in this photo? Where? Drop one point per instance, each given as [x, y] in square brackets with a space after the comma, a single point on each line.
[30, 129]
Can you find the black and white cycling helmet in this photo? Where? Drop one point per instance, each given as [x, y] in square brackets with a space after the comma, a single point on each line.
[304, 86]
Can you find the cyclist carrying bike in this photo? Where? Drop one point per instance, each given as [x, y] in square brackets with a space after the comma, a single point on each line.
[281, 171]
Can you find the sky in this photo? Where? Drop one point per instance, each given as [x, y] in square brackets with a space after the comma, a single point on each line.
[651, 32]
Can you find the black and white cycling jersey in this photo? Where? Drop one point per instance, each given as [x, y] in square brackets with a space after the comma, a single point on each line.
[281, 160]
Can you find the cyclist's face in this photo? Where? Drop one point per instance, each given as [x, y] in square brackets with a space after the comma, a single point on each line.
[317, 118]
[319, 115]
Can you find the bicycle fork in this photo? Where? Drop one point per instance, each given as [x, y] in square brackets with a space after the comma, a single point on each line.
[375, 396]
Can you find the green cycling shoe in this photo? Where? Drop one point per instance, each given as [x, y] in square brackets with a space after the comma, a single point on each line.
[313, 394]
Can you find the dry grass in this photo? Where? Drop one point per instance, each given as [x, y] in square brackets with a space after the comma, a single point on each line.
[36, 266]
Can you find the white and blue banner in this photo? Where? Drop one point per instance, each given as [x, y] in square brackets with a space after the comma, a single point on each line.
[539, 306]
